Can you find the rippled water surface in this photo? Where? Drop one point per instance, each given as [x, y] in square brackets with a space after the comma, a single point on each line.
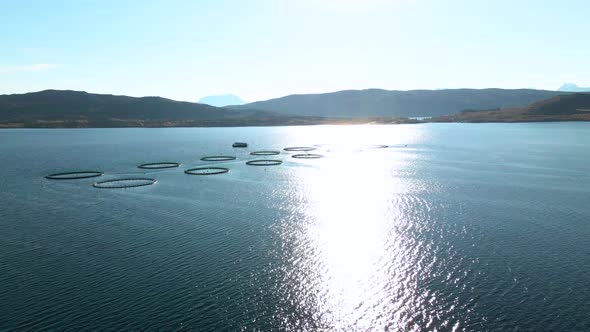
[465, 227]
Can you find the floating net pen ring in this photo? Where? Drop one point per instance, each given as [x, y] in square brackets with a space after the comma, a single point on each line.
[160, 165]
[307, 156]
[264, 162]
[300, 148]
[124, 183]
[206, 170]
[74, 175]
[218, 158]
[265, 153]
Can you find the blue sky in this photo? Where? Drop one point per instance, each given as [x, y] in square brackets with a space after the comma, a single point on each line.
[260, 49]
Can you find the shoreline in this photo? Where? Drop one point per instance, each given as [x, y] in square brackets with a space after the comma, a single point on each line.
[344, 123]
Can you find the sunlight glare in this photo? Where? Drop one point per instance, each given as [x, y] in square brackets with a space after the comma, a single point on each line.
[351, 212]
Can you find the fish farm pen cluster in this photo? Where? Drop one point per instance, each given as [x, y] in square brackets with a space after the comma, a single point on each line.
[130, 182]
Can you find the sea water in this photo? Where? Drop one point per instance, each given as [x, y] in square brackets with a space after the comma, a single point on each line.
[465, 227]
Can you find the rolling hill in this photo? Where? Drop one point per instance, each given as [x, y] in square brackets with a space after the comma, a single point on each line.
[77, 109]
[384, 103]
[65, 108]
[570, 107]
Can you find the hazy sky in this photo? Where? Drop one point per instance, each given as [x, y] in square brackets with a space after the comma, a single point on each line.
[260, 49]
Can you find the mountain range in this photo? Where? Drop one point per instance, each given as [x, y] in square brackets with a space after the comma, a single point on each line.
[77, 109]
[222, 100]
[64, 108]
[413, 103]
[571, 87]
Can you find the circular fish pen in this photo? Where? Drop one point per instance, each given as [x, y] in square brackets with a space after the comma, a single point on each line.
[264, 162]
[124, 183]
[160, 165]
[300, 148]
[74, 175]
[307, 156]
[265, 153]
[218, 158]
[206, 170]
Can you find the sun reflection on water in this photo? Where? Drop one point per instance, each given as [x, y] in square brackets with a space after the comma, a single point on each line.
[352, 264]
